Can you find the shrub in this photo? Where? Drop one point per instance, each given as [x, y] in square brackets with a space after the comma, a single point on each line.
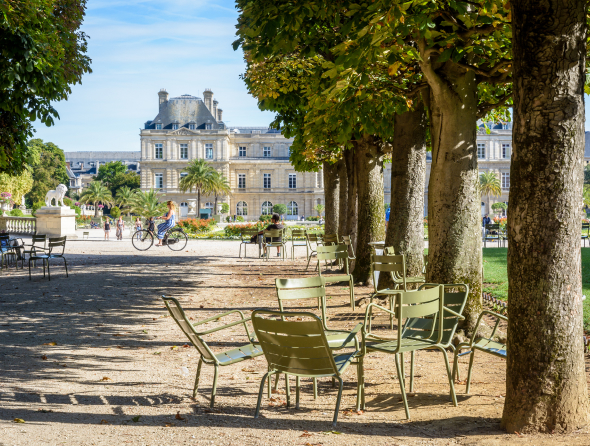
[36, 206]
[68, 202]
[236, 229]
[499, 207]
[265, 218]
[194, 226]
[16, 213]
[115, 212]
[280, 209]
[224, 208]
[312, 218]
[239, 218]
[228, 219]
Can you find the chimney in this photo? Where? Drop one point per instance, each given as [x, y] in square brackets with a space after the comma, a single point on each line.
[214, 111]
[69, 165]
[219, 115]
[208, 99]
[81, 164]
[163, 96]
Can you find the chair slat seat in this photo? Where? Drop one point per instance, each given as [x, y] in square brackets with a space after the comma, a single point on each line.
[492, 347]
[239, 354]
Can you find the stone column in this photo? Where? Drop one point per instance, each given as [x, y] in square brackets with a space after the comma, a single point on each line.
[193, 154]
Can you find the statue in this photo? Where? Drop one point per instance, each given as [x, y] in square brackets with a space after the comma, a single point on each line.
[58, 194]
[192, 207]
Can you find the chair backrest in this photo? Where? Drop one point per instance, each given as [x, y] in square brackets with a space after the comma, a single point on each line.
[302, 289]
[56, 243]
[246, 234]
[394, 265]
[389, 251]
[347, 240]
[178, 314]
[332, 252]
[422, 304]
[455, 297]
[330, 239]
[273, 234]
[297, 233]
[294, 343]
[4, 241]
[586, 226]
[313, 237]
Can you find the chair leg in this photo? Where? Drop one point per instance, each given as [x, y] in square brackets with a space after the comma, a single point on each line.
[266, 375]
[455, 369]
[287, 390]
[66, 265]
[315, 388]
[401, 385]
[48, 273]
[297, 384]
[450, 375]
[412, 355]
[338, 400]
[196, 386]
[359, 384]
[333, 382]
[240, 253]
[214, 390]
[402, 366]
[351, 293]
[29, 269]
[469, 371]
[308, 261]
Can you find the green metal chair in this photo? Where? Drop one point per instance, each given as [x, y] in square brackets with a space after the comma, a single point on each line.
[455, 298]
[296, 344]
[337, 253]
[246, 236]
[420, 304]
[486, 345]
[53, 252]
[217, 360]
[492, 234]
[586, 228]
[346, 240]
[298, 238]
[272, 238]
[330, 239]
[312, 237]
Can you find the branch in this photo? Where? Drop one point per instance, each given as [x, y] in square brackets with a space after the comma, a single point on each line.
[483, 110]
[485, 73]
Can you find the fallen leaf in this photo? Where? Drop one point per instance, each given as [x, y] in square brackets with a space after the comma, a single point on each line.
[136, 419]
[186, 346]
[306, 434]
[514, 432]
[157, 353]
[44, 358]
[18, 420]
[202, 306]
[178, 417]
[104, 422]
[174, 347]
[105, 378]
[50, 343]
[332, 432]
[118, 334]
[169, 424]
[45, 410]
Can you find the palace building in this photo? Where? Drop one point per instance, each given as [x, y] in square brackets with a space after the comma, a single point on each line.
[255, 160]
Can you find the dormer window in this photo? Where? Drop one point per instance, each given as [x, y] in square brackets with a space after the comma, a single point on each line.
[159, 126]
[175, 126]
[208, 126]
[191, 126]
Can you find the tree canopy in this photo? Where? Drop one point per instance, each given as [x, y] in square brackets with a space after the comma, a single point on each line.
[43, 53]
[115, 175]
[48, 163]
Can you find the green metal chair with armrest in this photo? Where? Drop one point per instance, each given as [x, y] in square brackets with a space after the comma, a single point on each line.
[272, 238]
[312, 237]
[246, 237]
[53, 252]
[247, 351]
[337, 253]
[298, 238]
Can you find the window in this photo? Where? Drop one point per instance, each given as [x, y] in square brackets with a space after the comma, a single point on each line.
[159, 151]
[191, 126]
[208, 126]
[184, 151]
[209, 151]
[266, 152]
[159, 180]
[481, 151]
[209, 205]
[182, 175]
[267, 208]
[242, 208]
[505, 180]
[266, 181]
[241, 181]
[505, 151]
[292, 181]
[242, 151]
[174, 126]
[289, 151]
[292, 208]
[158, 126]
[504, 126]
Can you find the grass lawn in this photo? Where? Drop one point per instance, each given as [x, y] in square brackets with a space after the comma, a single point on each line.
[496, 276]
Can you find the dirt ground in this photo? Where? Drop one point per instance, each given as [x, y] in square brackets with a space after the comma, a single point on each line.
[94, 359]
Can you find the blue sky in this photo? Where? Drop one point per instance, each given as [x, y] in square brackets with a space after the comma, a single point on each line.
[140, 46]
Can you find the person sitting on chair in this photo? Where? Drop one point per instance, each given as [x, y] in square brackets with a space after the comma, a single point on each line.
[274, 224]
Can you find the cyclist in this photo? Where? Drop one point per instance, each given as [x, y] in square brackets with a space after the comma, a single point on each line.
[169, 223]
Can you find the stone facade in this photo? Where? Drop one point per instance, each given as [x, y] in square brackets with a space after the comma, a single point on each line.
[255, 160]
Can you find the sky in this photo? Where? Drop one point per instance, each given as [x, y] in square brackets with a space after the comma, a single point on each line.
[138, 47]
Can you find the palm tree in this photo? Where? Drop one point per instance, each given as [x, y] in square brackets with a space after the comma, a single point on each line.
[148, 204]
[489, 185]
[125, 197]
[319, 208]
[95, 193]
[218, 185]
[199, 174]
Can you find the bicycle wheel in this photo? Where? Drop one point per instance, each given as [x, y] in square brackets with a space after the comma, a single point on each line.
[177, 240]
[142, 240]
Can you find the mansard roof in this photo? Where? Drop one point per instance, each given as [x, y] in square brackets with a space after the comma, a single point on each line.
[183, 110]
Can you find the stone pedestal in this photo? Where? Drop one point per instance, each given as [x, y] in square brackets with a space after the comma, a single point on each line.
[56, 222]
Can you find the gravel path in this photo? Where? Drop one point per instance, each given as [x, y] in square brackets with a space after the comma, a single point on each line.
[94, 359]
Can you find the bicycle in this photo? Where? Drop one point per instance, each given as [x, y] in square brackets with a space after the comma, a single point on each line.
[175, 238]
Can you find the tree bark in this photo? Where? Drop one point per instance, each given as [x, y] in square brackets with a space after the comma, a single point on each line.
[371, 212]
[405, 231]
[454, 227]
[331, 196]
[546, 386]
[198, 204]
[352, 205]
[343, 198]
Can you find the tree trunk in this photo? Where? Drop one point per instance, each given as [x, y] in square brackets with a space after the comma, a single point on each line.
[343, 198]
[352, 205]
[405, 231]
[546, 386]
[215, 207]
[331, 195]
[198, 204]
[454, 209]
[371, 212]
[95, 209]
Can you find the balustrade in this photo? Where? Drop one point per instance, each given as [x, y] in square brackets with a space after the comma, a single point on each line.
[19, 225]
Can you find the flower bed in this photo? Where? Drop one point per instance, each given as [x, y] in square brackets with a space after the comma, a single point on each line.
[194, 226]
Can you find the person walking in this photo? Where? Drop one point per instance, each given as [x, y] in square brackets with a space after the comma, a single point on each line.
[138, 226]
[169, 223]
[120, 227]
[107, 228]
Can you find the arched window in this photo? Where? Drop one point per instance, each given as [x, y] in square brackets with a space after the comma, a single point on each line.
[267, 208]
[292, 208]
[242, 208]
